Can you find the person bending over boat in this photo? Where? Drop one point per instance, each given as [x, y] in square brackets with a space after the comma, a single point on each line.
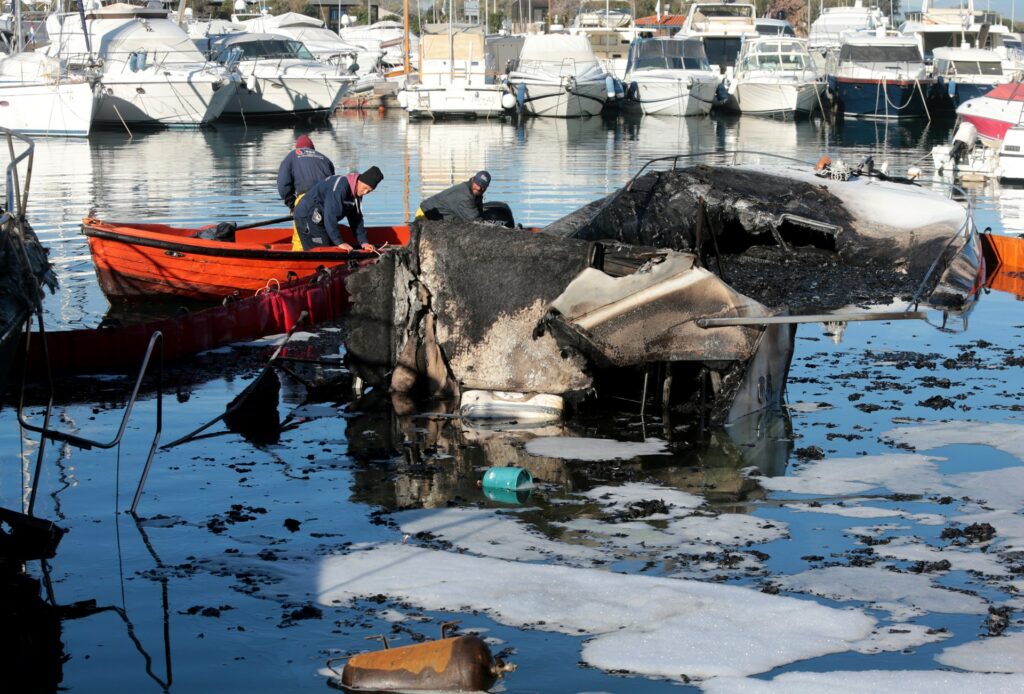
[302, 169]
[463, 201]
[318, 212]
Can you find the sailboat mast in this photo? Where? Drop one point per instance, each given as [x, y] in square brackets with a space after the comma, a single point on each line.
[405, 39]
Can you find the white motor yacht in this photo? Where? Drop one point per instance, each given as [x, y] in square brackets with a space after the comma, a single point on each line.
[834, 24]
[453, 79]
[324, 44]
[610, 27]
[558, 75]
[386, 36]
[722, 26]
[280, 77]
[152, 73]
[774, 76]
[38, 97]
[670, 77]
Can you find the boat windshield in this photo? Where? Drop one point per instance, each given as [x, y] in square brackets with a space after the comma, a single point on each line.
[670, 54]
[775, 56]
[722, 50]
[267, 48]
[880, 54]
[743, 11]
[968, 67]
[774, 28]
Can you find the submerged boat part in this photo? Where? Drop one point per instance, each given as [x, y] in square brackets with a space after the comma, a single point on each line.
[523, 407]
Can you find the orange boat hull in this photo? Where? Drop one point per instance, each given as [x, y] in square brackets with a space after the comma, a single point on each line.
[136, 261]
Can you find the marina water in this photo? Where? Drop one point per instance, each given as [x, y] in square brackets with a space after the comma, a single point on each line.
[216, 591]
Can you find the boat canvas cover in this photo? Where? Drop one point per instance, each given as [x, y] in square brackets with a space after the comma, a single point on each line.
[464, 47]
[558, 55]
[1011, 91]
[287, 19]
[29, 67]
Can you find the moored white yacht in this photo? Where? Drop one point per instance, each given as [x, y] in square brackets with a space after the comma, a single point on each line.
[37, 97]
[279, 76]
[967, 73]
[722, 26]
[453, 79]
[881, 77]
[834, 24]
[152, 73]
[322, 43]
[609, 26]
[670, 77]
[558, 75]
[996, 112]
[774, 76]
[386, 36]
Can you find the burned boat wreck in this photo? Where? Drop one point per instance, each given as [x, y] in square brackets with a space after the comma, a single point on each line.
[685, 286]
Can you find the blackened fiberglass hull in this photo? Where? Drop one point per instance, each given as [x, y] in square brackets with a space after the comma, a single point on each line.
[790, 238]
[593, 302]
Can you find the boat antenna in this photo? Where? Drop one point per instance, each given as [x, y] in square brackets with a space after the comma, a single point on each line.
[85, 28]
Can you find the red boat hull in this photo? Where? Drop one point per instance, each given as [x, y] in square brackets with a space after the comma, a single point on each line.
[105, 350]
[142, 260]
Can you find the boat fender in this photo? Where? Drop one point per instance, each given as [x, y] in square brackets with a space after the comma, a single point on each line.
[508, 101]
[250, 82]
[951, 89]
[620, 89]
[689, 83]
[633, 91]
[722, 92]
[521, 95]
[609, 86]
[403, 98]
[570, 85]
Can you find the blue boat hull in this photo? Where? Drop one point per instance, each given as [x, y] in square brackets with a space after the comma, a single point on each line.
[862, 98]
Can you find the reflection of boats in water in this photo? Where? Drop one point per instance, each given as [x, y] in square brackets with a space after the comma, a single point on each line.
[448, 152]
[434, 458]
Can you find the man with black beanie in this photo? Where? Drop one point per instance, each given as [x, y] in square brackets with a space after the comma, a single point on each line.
[318, 213]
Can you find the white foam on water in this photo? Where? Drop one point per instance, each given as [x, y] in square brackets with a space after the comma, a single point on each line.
[899, 636]
[849, 511]
[1005, 437]
[913, 549]
[579, 448]
[869, 682]
[993, 654]
[808, 406]
[903, 595]
[653, 626]
[897, 472]
[1009, 527]
[633, 492]
[491, 533]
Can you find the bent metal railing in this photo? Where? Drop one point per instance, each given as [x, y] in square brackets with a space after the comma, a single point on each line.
[13, 222]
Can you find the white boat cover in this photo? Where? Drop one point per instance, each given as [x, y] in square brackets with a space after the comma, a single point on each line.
[29, 67]
[558, 55]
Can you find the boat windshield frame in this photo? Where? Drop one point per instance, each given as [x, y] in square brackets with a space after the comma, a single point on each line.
[268, 49]
[667, 54]
[875, 53]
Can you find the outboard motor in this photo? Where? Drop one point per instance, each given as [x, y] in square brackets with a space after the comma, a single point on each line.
[499, 214]
[963, 141]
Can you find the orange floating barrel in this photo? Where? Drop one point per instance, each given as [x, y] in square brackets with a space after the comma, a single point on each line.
[461, 663]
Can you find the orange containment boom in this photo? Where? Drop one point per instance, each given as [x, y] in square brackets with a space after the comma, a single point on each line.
[1004, 263]
[461, 663]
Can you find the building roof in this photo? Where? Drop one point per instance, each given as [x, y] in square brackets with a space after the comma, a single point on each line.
[667, 20]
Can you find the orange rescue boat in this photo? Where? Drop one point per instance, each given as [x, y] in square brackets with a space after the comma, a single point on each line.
[135, 260]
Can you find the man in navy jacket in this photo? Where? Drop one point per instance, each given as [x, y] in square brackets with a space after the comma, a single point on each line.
[318, 213]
